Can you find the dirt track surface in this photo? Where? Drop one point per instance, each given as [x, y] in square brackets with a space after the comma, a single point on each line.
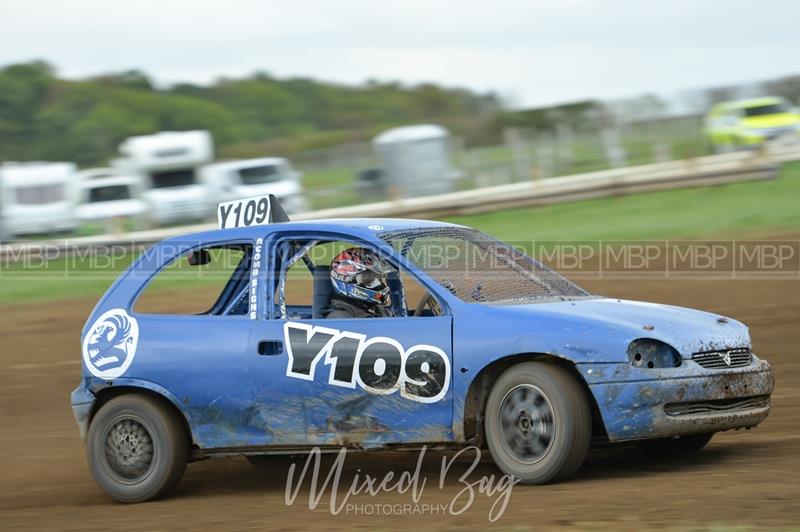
[748, 479]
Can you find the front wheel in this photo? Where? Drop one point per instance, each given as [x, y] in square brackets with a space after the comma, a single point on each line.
[136, 448]
[538, 423]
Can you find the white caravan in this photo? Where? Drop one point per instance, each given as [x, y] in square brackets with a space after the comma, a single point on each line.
[257, 177]
[169, 164]
[415, 160]
[105, 195]
[38, 198]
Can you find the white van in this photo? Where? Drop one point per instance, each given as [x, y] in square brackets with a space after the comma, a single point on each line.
[105, 196]
[169, 164]
[38, 197]
[256, 177]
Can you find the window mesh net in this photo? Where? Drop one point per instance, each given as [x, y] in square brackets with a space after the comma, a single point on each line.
[477, 268]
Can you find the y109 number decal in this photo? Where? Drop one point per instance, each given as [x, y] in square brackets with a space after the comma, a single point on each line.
[379, 365]
[243, 212]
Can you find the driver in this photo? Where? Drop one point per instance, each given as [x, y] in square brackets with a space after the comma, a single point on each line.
[359, 278]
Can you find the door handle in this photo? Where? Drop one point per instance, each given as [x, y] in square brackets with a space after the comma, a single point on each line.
[270, 347]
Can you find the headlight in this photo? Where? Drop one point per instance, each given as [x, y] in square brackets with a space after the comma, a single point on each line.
[650, 354]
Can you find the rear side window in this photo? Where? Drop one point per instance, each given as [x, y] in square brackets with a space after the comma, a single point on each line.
[207, 281]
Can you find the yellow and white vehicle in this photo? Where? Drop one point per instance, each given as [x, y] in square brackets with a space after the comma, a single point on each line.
[750, 123]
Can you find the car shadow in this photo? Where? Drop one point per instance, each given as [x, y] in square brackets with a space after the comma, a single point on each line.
[237, 475]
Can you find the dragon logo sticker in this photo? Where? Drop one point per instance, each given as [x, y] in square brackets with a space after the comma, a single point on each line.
[110, 344]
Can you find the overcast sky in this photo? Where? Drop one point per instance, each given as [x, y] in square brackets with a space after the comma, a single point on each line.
[530, 52]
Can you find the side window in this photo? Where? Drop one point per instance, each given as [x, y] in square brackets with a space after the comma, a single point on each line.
[413, 290]
[210, 281]
[307, 289]
[298, 288]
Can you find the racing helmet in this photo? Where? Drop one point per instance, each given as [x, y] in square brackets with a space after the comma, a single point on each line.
[359, 273]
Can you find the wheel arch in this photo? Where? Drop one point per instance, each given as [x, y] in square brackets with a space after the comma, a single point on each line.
[104, 395]
[480, 386]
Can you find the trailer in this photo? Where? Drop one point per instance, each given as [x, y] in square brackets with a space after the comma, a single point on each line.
[38, 198]
[415, 160]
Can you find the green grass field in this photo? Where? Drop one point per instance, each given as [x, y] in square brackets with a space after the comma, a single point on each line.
[734, 210]
[738, 210]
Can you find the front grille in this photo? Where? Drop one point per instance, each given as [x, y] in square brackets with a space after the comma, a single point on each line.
[719, 405]
[724, 359]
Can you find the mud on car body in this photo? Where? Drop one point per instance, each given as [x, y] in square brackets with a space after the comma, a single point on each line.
[483, 346]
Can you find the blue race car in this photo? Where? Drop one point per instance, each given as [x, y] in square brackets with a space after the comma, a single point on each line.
[384, 333]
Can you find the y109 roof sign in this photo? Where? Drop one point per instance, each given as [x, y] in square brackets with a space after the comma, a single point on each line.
[258, 210]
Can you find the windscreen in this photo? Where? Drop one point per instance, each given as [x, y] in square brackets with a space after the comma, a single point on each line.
[173, 178]
[761, 110]
[110, 193]
[478, 268]
[257, 175]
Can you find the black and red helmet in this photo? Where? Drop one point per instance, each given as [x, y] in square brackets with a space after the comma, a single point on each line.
[361, 274]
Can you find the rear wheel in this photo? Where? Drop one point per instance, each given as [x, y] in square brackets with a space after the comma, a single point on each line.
[137, 449]
[679, 445]
[538, 423]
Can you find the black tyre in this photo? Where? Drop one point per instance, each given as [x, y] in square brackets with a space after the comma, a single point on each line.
[674, 446]
[538, 423]
[136, 448]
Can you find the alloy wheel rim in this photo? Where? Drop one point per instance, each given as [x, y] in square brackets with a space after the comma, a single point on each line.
[129, 450]
[527, 423]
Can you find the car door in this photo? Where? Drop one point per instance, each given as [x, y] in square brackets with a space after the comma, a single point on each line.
[363, 381]
[206, 357]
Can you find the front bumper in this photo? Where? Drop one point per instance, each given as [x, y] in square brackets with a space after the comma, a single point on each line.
[655, 403]
[754, 138]
[82, 401]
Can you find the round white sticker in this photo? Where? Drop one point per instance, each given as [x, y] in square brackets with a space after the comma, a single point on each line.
[110, 344]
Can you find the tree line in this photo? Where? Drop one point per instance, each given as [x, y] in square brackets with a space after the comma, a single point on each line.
[46, 117]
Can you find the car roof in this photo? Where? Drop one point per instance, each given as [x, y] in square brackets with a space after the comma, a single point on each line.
[346, 225]
[101, 182]
[754, 102]
[37, 173]
[247, 163]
